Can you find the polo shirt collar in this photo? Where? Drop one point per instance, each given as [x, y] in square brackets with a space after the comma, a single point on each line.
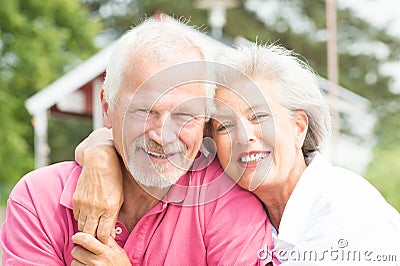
[176, 194]
[70, 186]
[184, 187]
[304, 195]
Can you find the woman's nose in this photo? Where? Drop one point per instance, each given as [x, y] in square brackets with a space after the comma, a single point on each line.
[246, 132]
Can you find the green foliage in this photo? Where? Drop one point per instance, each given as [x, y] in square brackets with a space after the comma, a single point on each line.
[384, 170]
[176, 9]
[39, 41]
[384, 174]
[14, 152]
[62, 144]
[126, 14]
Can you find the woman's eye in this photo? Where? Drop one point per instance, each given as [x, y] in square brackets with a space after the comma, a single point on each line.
[259, 117]
[225, 127]
[184, 116]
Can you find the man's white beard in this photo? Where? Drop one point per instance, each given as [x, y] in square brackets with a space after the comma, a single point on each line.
[157, 174]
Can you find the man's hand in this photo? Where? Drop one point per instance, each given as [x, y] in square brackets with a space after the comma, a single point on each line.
[91, 251]
[99, 192]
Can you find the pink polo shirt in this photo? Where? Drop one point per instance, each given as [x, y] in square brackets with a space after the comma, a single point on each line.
[205, 219]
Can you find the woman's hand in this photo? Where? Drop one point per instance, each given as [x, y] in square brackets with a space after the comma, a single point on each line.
[99, 192]
[99, 137]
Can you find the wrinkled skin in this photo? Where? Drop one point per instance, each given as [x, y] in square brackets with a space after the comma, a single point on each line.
[90, 251]
[99, 193]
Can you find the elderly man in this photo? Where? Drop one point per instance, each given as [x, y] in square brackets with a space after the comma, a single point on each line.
[176, 210]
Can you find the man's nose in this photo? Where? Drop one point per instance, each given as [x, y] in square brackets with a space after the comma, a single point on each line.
[162, 130]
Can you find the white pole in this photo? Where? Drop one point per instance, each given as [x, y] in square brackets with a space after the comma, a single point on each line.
[97, 110]
[332, 66]
[42, 149]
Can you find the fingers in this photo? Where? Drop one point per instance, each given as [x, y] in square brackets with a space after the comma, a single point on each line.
[76, 213]
[77, 203]
[106, 226]
[76, 263]
[82, 256]
[100, 228]
[81, 220]
[113, 233]
[87, 242]
[90, 251]
[91, 225]
[114, 246]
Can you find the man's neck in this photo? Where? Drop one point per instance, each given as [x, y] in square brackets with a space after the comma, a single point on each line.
[138, 200]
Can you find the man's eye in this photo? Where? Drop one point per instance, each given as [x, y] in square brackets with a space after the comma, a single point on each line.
[182, 118]
[144, 111]
[139, 113]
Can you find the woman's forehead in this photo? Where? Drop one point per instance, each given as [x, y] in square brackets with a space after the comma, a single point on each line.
[230, 104]
[250, 93]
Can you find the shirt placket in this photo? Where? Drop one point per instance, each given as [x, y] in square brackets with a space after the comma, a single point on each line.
[138, 241]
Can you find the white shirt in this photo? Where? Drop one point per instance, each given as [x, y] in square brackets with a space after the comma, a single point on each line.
[335, 216]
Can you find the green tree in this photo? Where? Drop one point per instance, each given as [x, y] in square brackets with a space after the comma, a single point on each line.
[39, 41]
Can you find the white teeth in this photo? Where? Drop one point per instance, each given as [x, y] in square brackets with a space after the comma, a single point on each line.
[157, 155]
[253, 158]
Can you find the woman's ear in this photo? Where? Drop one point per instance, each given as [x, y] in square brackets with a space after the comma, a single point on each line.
[301, 120]
[105, 110]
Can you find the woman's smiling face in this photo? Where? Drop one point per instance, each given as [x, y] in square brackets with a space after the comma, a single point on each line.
[257, 138]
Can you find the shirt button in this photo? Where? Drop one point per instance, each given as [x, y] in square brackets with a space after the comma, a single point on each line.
[118, 230]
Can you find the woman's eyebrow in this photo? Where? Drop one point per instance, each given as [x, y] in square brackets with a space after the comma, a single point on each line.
[222, 116]
[258, 106]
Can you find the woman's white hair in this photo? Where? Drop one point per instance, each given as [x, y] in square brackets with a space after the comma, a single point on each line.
[163, 40]
[296, 85]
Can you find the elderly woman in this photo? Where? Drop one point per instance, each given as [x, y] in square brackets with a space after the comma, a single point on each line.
[269, 128]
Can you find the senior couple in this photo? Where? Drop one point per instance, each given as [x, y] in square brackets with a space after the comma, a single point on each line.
[149, 192]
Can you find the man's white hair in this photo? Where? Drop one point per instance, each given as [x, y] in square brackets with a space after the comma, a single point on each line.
[162, 40]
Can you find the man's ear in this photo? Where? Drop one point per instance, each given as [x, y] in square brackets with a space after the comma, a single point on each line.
[301, 120]
[105, 110]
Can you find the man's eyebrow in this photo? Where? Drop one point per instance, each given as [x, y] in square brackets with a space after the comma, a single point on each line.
[138, 104]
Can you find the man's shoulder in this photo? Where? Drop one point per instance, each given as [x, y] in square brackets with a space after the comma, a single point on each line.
[44, 182]
[37, 223]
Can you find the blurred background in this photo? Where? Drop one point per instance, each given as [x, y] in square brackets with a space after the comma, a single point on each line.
[53, 54]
